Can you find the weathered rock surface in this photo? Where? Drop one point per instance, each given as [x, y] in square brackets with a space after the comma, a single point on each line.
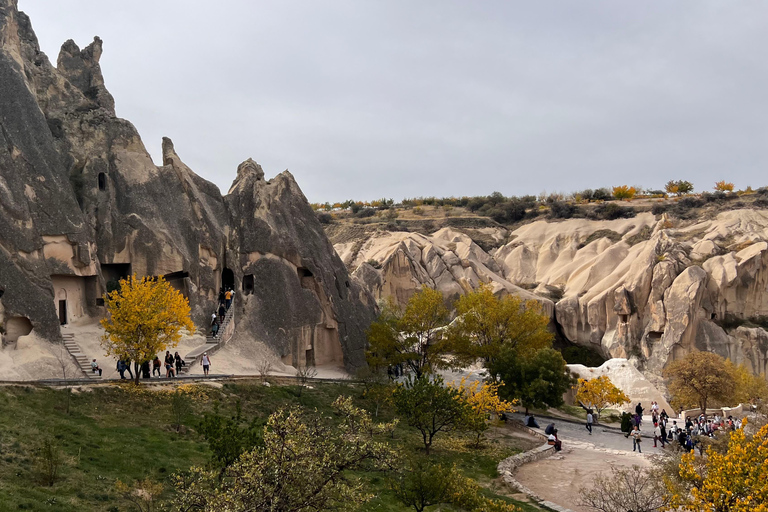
[83, 204]
[648, 288]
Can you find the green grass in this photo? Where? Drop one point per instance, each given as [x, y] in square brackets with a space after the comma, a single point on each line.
[115, 432]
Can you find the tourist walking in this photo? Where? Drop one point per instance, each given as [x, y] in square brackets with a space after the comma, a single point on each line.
[589, 421]
[121, 368]
[206, 363]
[179, 363]
[228, 298]
[636, 438]
[222, 312]
[156, 364]
[169, 361]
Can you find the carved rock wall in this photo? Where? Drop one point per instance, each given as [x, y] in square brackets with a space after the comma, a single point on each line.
[82, 203]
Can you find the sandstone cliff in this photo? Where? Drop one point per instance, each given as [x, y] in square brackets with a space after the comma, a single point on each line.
[83, 204]
[651, 288]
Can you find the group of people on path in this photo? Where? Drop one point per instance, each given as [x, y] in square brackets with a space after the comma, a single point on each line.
[687, 435]
[217, 317]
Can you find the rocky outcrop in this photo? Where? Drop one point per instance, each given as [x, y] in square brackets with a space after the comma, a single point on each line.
[83, 204]
[650, 288]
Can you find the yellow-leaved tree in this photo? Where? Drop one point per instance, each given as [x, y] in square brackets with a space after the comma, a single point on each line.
[699, 378]
[144, 316]
[484, 406]
[734, 481]
[485, 323]
[599, 393]
[748, 387]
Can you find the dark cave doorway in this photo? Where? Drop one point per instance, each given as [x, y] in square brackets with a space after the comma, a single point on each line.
[227, 279]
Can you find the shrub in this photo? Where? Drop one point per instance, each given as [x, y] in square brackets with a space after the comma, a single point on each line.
[49, 460]
[418, 211]
[679, 187]
[611, 211]
[374, 263]
[324, 218]
[658, 208]
[683, 209]
[602, 194]
[624, 192]
[723, 186]
[365, 212]
[561, 210]
[718, 196]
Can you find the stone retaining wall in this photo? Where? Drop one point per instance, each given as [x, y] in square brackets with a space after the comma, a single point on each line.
[508, 466]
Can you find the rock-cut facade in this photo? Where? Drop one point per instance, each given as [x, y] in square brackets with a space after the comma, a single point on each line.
[82, 205]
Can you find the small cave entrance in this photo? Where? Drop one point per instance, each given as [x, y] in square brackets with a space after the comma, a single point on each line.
[227, 279]
[309, 357]
[624, 319]
[305, 277]
[113, 273]
[248, 284]
[63, 311]
[17, 326]
[102, 181]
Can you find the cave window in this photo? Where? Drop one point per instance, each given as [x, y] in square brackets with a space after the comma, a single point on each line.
[714, 316]
[346, 283]
[624, 318]
[304, 272]
[100, 302]
[248, 284]
[102, 181]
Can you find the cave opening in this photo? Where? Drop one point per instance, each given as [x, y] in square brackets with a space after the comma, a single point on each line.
[248, 284]
[227, 279]
[102, 181]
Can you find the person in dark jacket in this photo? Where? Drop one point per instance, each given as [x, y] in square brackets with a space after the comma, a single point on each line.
[169, 362]
[179, 363]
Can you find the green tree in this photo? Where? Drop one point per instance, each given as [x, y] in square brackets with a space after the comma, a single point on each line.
[144, 316]
[228, 437]
[485, 323]
[430, 407]
[537, 380]
[422, 483]
[698, 379]
[304, 465]
[412, 337]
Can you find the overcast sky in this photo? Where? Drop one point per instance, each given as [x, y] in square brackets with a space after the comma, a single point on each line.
[363, 99]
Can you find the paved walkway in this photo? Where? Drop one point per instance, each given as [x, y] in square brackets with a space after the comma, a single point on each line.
[601, 438]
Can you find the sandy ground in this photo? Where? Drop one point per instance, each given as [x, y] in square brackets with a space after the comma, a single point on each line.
[559, 478]
[34, 358]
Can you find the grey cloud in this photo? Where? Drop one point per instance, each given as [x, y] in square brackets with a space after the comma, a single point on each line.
[401, 99]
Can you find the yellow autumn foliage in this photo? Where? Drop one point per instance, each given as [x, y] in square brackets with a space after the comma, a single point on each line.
[484, 405]
[734, 481]
[144, 317]
[599, 393]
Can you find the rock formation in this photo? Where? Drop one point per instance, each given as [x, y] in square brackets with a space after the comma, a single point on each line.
[650, 288]
[83, 205]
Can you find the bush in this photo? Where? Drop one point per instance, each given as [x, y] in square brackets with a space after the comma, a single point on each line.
[723, 186]
[683, 209]
[365, 212]
[418, 211]
[561, 210]
[658, 208]
[324, 218]
[679, 187]
[374, 263]
[624, 192]
[602, 194]
[611, 211]
[713, 197]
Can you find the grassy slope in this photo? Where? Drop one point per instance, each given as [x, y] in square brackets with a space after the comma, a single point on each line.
[115, 433]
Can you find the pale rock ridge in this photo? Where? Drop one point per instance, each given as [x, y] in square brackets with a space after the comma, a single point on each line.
[648, 289]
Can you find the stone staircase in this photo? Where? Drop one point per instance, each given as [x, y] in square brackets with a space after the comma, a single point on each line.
[81, 359]
[212, 343]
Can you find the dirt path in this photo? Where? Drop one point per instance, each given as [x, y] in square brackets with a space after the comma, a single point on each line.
[560, 478]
